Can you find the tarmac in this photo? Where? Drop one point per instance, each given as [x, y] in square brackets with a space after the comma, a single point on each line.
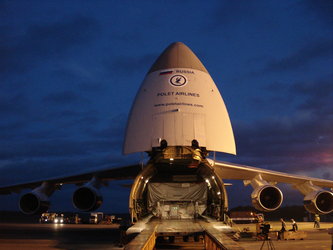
[84, 236]
[317, 239]
[58, 236]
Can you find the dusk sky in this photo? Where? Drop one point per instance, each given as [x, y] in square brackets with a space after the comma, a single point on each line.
[69, 71]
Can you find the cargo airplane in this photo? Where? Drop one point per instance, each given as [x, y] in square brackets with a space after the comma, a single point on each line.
[178, 118]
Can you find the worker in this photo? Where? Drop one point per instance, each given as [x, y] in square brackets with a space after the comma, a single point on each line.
[259, 224]
[283, 228]
[294, 225]
[316, 221]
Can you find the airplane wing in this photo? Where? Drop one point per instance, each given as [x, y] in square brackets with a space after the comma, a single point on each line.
[121, 173]
[267, 197]
[235, 171]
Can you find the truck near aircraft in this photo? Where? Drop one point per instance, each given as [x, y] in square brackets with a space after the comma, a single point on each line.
[240, 217]
[96, 217]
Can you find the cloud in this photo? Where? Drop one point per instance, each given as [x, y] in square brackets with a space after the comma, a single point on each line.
[299, 142]
[13, 105]
[3, 6]
[318, 96]
[228, 12]
[39, 169]
[40, 41]
[130, 64]
[302, 57]
[81, 77]
[46, 148]
[8, 129]
[323, 10]
[80, 135]
[64, 97]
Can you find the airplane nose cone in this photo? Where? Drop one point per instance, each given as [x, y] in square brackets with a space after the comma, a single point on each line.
[177, 55]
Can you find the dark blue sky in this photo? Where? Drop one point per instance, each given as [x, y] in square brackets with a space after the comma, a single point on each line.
[69, 71]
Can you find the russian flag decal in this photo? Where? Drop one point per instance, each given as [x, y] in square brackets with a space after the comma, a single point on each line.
[166, 72]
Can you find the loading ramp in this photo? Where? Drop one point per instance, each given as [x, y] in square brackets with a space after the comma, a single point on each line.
[182, 234]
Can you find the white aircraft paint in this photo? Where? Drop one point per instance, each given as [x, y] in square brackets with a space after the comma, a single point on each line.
[179, 105]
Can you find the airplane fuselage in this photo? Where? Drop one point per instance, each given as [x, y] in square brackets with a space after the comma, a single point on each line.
[178, 183]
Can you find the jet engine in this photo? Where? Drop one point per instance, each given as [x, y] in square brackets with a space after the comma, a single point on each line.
[88, 197]
[316, 199]
[319, 202]
[37, 201]
[267, 198]
[33, 203]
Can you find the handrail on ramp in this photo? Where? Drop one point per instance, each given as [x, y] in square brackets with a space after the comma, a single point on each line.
[213, 241]
[215, 236]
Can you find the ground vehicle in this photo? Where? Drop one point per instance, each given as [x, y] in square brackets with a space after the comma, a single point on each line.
[52, 218]
[47, 217]
[96, 217]
[246, 217]
[59, 219]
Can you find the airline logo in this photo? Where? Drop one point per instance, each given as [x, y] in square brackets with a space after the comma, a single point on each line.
[178, 80]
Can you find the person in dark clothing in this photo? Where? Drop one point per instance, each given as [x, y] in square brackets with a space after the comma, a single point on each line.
[283, 228]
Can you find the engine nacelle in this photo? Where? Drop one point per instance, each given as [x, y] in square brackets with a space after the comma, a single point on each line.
[34, 203]
[319, 202]
[87, 198]
[267, 198]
